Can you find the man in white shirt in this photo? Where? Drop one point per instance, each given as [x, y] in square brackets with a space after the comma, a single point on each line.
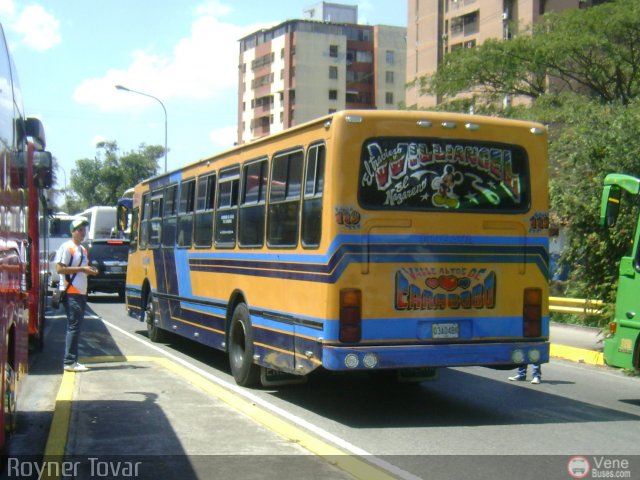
[72, 264]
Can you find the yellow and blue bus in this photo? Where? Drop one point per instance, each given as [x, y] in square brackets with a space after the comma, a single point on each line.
[401, 241]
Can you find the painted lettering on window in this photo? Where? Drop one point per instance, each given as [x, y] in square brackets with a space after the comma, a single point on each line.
[438, 174]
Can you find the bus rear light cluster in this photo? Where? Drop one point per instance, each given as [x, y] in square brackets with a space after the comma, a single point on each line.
[350, 315]
[613, 327]
[532, 312]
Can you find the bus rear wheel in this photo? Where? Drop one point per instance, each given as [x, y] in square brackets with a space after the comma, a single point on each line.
[154, 333]
[241, 348]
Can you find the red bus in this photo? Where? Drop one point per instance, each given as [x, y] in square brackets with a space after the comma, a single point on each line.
[25, 172]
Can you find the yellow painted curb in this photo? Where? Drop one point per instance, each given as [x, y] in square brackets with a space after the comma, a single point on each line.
[352, 464]
[57, 439]
[580, 355]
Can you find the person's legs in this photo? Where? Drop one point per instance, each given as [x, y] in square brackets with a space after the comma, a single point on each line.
[521, 375]
[537, 373]
[74, 307]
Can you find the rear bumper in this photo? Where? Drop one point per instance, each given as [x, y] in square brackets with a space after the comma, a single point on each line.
[106, 284]
[442, 355]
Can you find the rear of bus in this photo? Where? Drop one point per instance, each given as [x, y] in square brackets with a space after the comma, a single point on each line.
[439, 241]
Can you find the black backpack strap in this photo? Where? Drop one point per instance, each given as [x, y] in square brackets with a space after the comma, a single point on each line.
[71, 278]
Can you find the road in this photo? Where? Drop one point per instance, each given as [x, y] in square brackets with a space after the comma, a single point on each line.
[416, 428]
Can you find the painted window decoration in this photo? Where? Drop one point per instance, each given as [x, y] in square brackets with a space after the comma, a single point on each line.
[439, 174]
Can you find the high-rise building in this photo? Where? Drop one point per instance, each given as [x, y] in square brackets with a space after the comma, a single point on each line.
[436, 27]
[303, 69]
[332, 12]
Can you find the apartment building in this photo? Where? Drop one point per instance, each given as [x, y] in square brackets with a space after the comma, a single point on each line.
[303, 69]
[436, 27]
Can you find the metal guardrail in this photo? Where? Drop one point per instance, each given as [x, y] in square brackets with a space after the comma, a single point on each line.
[576, 305]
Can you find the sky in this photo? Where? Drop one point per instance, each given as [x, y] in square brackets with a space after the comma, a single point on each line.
[70, 54]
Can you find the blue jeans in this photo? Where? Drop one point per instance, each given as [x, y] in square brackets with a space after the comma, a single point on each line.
[74, 306]
[537, 370]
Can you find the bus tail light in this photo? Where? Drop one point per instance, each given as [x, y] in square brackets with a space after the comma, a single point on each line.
[613, 327]
[350, 315]
[532, 312]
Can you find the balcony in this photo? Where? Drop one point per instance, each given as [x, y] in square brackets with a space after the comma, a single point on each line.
[464, 25]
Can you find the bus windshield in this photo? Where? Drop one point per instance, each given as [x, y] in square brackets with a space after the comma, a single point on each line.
[60, 227]
[435, 174]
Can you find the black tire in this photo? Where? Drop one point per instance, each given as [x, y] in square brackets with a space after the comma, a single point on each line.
[154, 333]
[245, 372]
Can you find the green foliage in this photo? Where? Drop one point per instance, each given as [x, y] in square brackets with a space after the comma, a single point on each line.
[103, 179]
[493, 70]
[593, 51]
[587, 140]
[591, 140]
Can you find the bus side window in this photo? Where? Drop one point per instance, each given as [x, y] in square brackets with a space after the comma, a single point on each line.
[144, 221]
[312, 203]
[206, 193]
[284, 199]
[155, 222]
[169, 219]
[185, 213]
[227, 209]
[252, 204]
[133, 242]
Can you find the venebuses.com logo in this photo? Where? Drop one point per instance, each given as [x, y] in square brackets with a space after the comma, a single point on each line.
[578, 467]
[599, 467]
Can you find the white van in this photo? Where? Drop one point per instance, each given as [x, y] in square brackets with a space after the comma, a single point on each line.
[102, 222]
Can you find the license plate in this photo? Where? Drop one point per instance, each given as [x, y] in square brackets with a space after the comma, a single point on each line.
[445, 330]
[115, 269]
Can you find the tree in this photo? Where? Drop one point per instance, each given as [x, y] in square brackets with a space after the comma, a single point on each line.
[103, 179]
[491, 71]
[594, 52]
[588, 140]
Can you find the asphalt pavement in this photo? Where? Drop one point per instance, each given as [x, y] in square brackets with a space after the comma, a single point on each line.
[149, 417]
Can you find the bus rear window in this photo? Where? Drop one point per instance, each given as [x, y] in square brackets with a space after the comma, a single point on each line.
[439, 174]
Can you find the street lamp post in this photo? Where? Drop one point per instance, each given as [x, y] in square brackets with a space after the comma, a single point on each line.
[120, 87]
[66, 198]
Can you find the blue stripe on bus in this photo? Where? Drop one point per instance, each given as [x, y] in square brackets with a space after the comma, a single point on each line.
[379, 249]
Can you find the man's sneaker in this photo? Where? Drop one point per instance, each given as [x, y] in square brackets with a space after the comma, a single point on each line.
[75, 367]
[536, 380]
[518, 378]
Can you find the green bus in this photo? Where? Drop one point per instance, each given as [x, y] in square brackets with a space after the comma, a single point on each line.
[622, 346]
